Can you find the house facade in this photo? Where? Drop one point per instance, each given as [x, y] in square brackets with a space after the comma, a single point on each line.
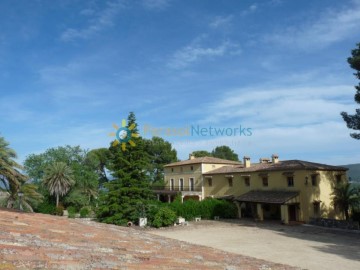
[289, 190]
[186, 178]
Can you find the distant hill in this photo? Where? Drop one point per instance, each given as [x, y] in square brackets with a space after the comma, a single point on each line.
[353, 172]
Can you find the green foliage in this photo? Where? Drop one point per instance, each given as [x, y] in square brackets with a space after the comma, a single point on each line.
[205, 209]
[58, 178]
[121, 200]
[353, 121]
[346, 198]
[84, 212]
[84, 167]
[201, 153]
[160, 153]
[164, 217]
[225, 152]
[59, 210]
[46, 208]
[71, 211]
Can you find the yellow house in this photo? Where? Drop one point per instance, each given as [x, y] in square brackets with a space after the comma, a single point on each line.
[186, 177]
[289, 190]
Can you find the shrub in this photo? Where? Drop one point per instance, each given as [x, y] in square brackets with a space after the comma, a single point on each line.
[46, 208]
[71, 211]
[84, 212]
[164, 217]
[59, 210]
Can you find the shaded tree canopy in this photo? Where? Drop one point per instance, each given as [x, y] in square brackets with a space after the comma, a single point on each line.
[353, 121]
[224, 152]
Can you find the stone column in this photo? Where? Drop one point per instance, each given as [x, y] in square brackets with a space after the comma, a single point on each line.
[238, 205]
[285, 214]
[259, 211]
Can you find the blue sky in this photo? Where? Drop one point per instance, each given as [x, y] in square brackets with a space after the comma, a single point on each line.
[70, 69]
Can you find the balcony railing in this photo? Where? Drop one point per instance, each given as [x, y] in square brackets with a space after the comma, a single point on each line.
[177, 188]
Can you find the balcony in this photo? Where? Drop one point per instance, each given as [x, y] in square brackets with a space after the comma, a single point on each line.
[177, 189]
[184, 191]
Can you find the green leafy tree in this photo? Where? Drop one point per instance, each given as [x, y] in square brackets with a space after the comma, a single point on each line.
[160, 153]
[225, 152]
[345, 198]
[86, 174]
[101, 157]
[125, 196]
[58, 178]
[353, 121]
[201, 153]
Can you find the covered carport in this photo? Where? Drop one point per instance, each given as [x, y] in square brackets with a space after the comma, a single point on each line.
[275, 205]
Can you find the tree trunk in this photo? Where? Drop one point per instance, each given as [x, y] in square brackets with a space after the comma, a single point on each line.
[57, 200]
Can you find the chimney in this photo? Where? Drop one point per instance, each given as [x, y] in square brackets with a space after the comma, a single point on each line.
[191, 156]
[264, 160]
[247, 162]
[275, 158]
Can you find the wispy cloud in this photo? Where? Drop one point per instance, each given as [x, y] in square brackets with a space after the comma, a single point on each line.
[156, 4]
[252, 8]
[196, 51]
[286, 106]
[102, 20]
[221, 21]
[329, 27]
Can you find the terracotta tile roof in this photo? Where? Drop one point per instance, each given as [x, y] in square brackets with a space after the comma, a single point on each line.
[264, 196]
[206, 160]
[288, 165]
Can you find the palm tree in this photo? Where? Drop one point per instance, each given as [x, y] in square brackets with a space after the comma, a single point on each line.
[58, 179]
[9, 175]
[345, 197]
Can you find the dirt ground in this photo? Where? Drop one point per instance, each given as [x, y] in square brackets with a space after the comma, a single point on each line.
[302, 246]
[36, 241]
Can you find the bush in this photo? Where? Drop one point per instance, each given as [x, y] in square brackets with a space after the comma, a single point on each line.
[84, 212]
[205, 209]
[71, 211]
[59, 210]
[46, 208]
[164, 217]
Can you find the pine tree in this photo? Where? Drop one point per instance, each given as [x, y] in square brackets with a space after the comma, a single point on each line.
[127, 194]
[353, 121]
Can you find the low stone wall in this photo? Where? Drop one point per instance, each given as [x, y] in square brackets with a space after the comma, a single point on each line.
[334, 223]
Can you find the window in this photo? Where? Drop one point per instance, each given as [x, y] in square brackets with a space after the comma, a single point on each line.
[191, 168]
[230, 181]
[172, 169]
[290, 181]
[181, 169]
[181, 184]
[210, 182]
[265, 181]
[247, 181]
[191, 184]
[171, 184]
[338, 179]
[313, 180]
[316, 209]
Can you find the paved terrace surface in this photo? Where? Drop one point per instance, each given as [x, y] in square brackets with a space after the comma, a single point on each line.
[36, 241]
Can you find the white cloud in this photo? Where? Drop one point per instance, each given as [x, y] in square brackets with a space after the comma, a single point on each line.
[221, 21]
[102, 20]
[287, 106]
[329, 27]
[252, 8]
[195, 52]
[156, 4]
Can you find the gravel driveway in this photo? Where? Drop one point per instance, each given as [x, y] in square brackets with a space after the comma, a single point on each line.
[303, 246]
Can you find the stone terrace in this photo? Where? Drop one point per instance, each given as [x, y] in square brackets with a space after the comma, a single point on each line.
[36, 241]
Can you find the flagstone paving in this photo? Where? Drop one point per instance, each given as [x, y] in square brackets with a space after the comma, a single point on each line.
[36, 241]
